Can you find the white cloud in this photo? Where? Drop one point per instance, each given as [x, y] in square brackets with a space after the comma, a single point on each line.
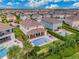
[0, 0]
[76, 4]
[52, 6]
[9, 3]
[34, 3]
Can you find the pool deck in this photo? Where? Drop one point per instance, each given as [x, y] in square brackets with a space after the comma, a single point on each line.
[51, 38]
[63, 30]
[5, 57]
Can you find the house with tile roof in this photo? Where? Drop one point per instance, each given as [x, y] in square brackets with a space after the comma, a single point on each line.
[51, 23]
[32, 28]
[11, 17]
[73, 21]
[7, 36]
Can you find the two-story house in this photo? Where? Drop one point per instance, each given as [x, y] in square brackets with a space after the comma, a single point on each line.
[51, 23]
[24, 17]
[11, 17]
[32, 28]
[7, 36]
[73, 21]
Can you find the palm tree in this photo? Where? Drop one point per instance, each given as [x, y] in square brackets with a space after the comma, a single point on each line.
[13, 52]
[4, 19]
[18, 19]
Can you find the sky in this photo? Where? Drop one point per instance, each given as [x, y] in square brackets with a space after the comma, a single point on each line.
[40, 4]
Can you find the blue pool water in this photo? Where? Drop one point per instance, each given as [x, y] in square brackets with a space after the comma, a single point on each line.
[3, 52]
[40, 41]
[63, 33]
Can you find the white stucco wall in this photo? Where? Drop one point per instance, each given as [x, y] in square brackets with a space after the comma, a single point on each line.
[30, 28]
[52, 26]
[10, 42]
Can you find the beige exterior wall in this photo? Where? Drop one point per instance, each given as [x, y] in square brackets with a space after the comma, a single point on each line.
[75, 24]
[9, 18]
[30, 28]
[25, 30]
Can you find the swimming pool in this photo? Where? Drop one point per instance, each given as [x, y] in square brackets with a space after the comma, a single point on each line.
[3, 52]
[41, 41]
[63, 33]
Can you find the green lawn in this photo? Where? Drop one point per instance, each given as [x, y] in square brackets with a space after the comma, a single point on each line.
[63, 54]
[69, 28]
[66, 52]
[75, 56]
[52, 44]
[53, 57]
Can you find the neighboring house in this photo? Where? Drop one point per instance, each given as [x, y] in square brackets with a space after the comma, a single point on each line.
[73, 21]
[32, 29]
[24, 17]
[43, 11]
[62, 18]
[7, 36]
[59, 15]
[11, 17]
[51, 23]
[46, 15]
[37, 17]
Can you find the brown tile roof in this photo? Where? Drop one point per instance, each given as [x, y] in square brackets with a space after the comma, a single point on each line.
[51, 20]
[34, 31]
[4, 27]
[29, 23]
[73, 18]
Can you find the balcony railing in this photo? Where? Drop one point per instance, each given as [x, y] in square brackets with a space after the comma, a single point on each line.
[5, 33]
[6, 39]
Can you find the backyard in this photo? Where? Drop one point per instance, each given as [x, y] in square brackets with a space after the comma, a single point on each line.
[64, 48]
[22, 37]
[75, 56]
[68, 52]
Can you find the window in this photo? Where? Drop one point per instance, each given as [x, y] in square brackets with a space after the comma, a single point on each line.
[11, 30]
[2, 33]
[37, 34]
[8, 30]
[5, 39]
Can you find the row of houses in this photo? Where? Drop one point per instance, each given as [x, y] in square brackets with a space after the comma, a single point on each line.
[38, 14]
[36, 30]
[8, 17]
[31, 27]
